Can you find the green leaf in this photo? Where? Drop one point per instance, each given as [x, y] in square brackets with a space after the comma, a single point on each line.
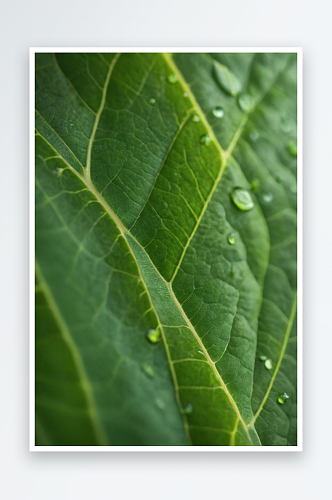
[134, 211]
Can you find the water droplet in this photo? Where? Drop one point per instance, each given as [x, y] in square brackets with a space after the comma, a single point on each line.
[58, 171]
[292, 147]
[188, 409]
[152, 101]
[160, 403]
[254, 135]
[226, 79]
[278, 179]
[255, 185]
[218, 112]
[282, 397]
[268, 197]
[173, 78]
[245, 102]
[154, 335]
[205, 139]
[148, 370]
[195, 118]
[201, 352]
[262, 358]
[185, 94]
[268, 364]
[293, 189]
[242, 199]
[231, 238]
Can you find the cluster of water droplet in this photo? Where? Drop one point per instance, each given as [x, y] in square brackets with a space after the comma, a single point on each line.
[230, 84]
[268, 363]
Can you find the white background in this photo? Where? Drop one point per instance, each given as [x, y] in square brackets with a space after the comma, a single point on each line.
[48, 476]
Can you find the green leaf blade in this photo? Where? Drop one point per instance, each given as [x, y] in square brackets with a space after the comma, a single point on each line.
[133, 220]
[99, 293]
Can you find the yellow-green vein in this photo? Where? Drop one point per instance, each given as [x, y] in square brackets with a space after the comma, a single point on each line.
[209, 360]
[233, 433]
[85, 383]
[281, 355]
[184, 121]
[98, 115]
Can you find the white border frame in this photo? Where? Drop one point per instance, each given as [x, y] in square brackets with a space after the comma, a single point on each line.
[32, 446]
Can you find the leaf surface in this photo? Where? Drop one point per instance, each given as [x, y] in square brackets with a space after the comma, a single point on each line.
[133, 216]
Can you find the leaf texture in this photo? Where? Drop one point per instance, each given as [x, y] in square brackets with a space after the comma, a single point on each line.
[133, 214]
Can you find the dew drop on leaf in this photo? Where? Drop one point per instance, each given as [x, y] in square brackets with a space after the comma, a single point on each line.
[226, 79]
[268, 364]
[245, 102]
[254, 135]
[255, 185]
[268, 197]
[242, 199]
[231, 238]
[173, 78]
[218, 112]
[152, 101]
[188, 409]
[282, 397]
[292, 147]
[205, 139]
[154, 335]
[195, 118]
[160, 403]
[185, 94]
[262, 358]
[148, 370]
